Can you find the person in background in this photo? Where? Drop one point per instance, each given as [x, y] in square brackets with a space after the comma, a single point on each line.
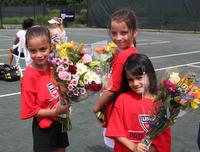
[123, 32]
[56, 28]
[39, 96]
[27, 23]
[134, 106]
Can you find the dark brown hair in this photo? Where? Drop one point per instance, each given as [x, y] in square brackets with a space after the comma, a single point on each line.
[37, 31]
[124, 15]
[137, 65]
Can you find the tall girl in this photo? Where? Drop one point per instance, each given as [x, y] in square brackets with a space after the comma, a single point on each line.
[123, 31]
[39, 96]
[129, 120]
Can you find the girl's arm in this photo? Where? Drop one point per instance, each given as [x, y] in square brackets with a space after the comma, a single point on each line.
[106, 96]
[140, 147]
[16, 40]
[60, 109]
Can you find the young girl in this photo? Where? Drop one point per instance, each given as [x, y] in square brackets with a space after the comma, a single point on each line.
[39, 96]
[20, 37]
[123, 31]
[129, 120]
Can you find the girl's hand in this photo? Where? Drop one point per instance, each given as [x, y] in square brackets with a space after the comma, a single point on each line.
[61, 109]
[141, 147]
[152, 149]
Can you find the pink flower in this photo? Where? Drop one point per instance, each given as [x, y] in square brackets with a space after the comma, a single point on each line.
[87, 58]
[74, 82]
[169, 85]
[82, 90]
[70, 87]
[75, 92]
[63, 75]
[65, 60]
[57, 61]
[60, 68]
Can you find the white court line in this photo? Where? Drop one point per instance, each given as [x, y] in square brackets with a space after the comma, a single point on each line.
[3, 49]
[160, 69]
[177, 66]
[4, 55]
[152, 43]
[176, 54]
[194, 66]
[10, 94]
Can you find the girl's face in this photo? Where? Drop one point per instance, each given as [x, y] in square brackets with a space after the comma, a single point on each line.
[121, 35]
[54, 25]
[39, 48]
[138, 84]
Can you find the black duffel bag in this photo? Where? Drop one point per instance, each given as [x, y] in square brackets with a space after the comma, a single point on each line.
[9, 72]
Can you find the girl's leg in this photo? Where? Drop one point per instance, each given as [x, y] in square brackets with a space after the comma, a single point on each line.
[10, 56]
[60, 150]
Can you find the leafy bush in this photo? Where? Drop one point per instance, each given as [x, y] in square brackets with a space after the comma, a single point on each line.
[13, 20]
[82, 17]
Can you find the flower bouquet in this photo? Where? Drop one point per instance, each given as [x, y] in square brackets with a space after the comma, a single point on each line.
[175, 93]
[105, 52]
[75, 74]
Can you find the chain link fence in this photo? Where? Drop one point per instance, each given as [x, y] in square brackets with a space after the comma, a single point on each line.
[151, 14]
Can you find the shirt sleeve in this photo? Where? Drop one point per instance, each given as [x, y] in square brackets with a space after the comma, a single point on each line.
[115, 126]
[29, 106]
[116, 77]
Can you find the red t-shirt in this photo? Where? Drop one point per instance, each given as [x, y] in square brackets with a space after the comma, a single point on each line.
[130, 118]
[115, 79]
[37, 91]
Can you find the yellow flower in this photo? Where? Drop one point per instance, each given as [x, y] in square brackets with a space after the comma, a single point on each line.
[62, 53]
[58, 47]
[111, 47]
[194, 103]
[68, 45]
[174, 77]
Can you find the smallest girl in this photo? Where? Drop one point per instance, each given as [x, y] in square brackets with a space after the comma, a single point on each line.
[39, 96]
[133, 106]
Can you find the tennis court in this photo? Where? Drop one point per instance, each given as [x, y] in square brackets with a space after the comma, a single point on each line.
[166, 50]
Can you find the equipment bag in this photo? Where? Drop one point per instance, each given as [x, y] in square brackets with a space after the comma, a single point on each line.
[9, 72]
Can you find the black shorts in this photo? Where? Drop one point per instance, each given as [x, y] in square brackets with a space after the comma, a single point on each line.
[15, 51]
[48, 139]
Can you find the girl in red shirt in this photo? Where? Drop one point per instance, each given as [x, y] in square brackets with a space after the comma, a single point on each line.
[123, 31]
[39, 96]
[129, 120]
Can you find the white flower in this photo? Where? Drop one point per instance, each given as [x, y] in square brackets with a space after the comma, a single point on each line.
[174, 77]
[92, 76]
[81, 68]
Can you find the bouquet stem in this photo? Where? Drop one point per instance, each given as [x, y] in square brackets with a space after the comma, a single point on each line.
[66, 123]
[147, 141]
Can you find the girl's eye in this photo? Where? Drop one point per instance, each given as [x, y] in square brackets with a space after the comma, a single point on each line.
[43, 49]
[32, 50]
[124, 32]
[113, 33]
[139, 77]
